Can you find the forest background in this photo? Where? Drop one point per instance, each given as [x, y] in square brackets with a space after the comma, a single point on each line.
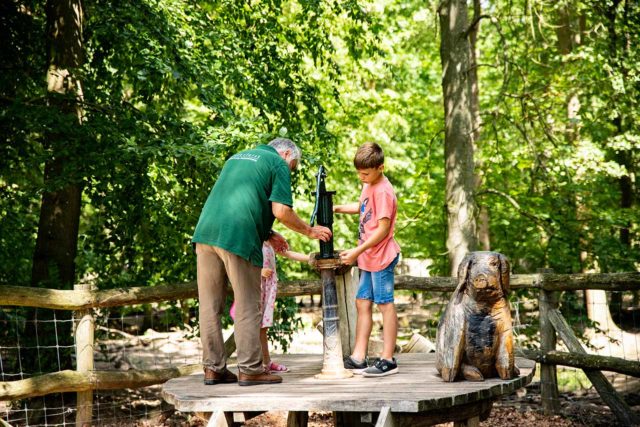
[116, 118]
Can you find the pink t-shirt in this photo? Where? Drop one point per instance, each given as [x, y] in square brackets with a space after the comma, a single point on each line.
[376, 202]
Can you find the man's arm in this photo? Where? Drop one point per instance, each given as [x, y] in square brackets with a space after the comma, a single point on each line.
[291, 220]
[351, 208]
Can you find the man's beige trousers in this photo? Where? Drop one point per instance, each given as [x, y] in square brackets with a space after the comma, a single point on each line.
[215, 265]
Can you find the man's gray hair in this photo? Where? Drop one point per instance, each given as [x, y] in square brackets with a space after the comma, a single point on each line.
[284, 144]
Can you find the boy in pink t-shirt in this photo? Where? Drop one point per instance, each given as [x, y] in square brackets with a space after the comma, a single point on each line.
[377, 254]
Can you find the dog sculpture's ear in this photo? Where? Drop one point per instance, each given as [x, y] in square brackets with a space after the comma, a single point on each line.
[505, 273]
[463, 276]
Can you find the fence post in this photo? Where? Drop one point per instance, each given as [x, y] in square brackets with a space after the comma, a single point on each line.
[346, 287]
[84, 358]
[547, 301]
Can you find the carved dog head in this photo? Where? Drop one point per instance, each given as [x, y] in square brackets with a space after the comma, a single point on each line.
[484, 276]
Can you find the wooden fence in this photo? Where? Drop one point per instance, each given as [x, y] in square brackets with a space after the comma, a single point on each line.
[83, 299]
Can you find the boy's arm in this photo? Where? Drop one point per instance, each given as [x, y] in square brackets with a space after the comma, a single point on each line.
[350, 255]
[351, 208]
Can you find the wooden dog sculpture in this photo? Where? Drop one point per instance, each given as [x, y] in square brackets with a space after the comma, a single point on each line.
[474, 338]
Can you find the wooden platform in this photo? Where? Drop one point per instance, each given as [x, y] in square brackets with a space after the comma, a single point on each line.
[415, 389]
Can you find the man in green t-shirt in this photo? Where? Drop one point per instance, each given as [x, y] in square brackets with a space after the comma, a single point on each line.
[254, 188]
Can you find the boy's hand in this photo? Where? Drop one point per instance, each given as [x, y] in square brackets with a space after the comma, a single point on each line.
[267, 272]
[349, 256]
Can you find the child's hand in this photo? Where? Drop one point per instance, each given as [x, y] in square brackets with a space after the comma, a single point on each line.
[312, 261]
[278, 242]
[349, 256]
[267, 272]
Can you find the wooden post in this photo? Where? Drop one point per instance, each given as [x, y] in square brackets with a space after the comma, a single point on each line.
[385, 419]
[548, 301]
[347, 286]
[347, 419]
[217, 418]
[297, 419]
[469, 422]
[84, 358]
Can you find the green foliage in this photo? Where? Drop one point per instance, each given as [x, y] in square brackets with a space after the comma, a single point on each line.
[564, 169]
[172, 88]
[572, 380]
[285, 322]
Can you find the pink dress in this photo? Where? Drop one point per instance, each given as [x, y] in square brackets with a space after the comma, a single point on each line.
[269, 288]
[269, 285]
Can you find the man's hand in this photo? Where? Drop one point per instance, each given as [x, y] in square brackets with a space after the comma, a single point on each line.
[278, 242]
[290, 219]
[349, 256]
[267, 272]
[320, 232]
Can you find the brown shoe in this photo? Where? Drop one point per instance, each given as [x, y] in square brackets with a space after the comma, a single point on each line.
[212, 377]
[264, 378]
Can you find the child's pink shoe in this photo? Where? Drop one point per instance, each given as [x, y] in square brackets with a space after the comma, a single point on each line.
[276, 367]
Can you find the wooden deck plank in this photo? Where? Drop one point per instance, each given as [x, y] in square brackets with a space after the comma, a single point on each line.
[416, 388]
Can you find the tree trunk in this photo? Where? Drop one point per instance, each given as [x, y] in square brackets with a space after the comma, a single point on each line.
[459, 168]
[484, 236]
[567, 38]
[56, 244]
[613, 341]
[623, 157]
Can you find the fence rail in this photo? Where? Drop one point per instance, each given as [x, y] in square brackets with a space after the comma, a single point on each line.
[583, 361]
[84, 299]
[74, 381]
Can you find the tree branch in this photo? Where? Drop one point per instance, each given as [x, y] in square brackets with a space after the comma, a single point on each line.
[541, 222]
[473, 24]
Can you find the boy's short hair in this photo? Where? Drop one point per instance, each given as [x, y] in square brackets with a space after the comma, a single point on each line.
[369, 155]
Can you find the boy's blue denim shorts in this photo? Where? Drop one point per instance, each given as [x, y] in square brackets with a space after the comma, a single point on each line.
[377, 286]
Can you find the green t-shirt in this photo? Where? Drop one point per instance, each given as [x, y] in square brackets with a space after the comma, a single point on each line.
[237, 216]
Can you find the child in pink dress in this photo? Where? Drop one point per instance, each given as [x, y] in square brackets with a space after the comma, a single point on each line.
[268, 299]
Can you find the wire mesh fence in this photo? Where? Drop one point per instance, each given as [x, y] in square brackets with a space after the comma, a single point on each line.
[138, 337]
[608, 324]
[32, 343]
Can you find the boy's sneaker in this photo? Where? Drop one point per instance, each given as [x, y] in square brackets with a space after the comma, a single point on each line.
[381, 368]
[354, 366]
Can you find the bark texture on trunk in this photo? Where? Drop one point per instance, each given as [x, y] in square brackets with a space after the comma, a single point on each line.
[484, 235]
[459, 128]
[56, 244]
